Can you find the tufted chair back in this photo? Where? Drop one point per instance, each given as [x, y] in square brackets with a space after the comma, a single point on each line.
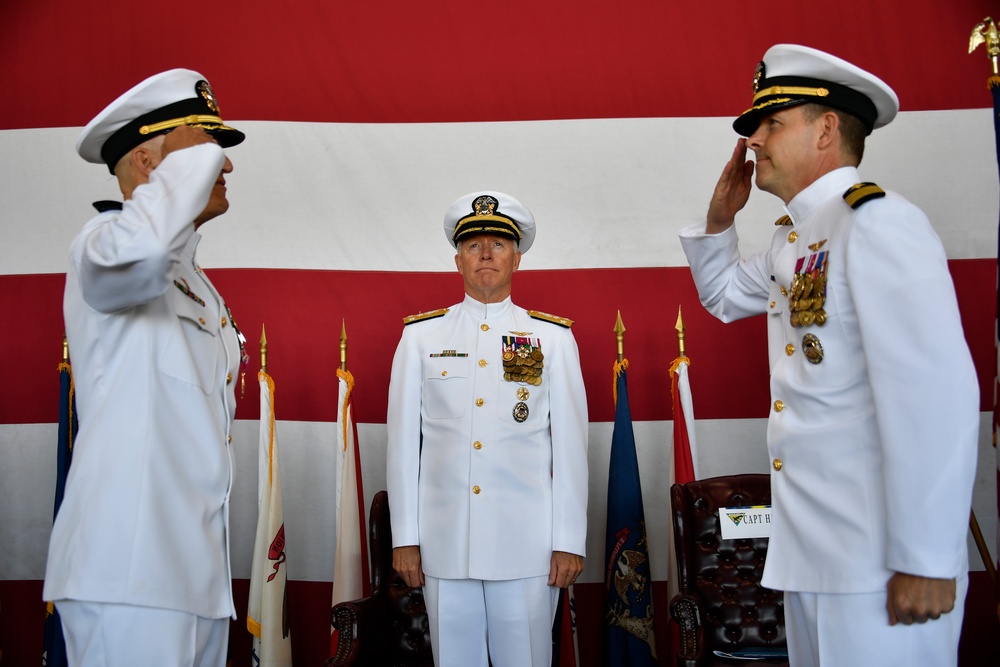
[389, 628]
[721, 605]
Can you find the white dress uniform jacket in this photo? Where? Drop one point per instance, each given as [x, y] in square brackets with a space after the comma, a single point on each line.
[873, 448]
[155, 362]
[483, 495]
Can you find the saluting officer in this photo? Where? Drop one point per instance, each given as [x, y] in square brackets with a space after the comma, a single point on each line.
[874, 419]
[140, 548]
[487, 452]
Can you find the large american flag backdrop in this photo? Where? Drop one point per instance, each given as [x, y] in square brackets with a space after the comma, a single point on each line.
[364, 120]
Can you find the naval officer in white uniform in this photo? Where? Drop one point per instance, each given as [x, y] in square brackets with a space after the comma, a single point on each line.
[138, 562]
[487, 452]
[874, 418]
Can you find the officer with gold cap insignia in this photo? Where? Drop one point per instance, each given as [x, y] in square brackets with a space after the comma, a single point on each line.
[140, 546]
[487, 452]
[872, 445]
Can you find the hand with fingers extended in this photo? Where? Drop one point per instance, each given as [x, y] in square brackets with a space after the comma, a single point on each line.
[912, 599]
[185, 136]
[732, 191]
[406, 561]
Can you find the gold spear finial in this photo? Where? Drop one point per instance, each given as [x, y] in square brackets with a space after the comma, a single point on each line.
[65, 350]
[343, 345]
[620, 336]
[680, 332]
[986, 32]
[263, 349]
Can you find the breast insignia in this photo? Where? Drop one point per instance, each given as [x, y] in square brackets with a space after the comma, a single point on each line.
[860, 193]
[554, 319]
[420, 317]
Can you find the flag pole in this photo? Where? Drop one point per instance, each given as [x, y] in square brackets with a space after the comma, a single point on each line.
[65, 350]
[986, 33]
[263, 350]
[620, 337]
[343, 345]
[680, 332]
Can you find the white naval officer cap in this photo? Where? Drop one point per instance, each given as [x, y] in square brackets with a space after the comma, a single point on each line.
[487, 212]
[155, 106]
[790, 75]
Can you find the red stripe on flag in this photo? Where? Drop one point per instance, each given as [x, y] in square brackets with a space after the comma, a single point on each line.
[389, 61]
[303, 311]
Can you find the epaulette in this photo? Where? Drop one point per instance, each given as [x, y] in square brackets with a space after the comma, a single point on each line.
[783, 221]
[554, 319]
[107, 205]
[859, 193]
[420, 317]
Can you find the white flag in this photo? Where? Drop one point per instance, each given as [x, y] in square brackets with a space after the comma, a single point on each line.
[350, 559]
[266, 618]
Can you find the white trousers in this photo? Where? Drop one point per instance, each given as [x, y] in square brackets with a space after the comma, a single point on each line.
[473, 621]
[115, 635]
[852, 630]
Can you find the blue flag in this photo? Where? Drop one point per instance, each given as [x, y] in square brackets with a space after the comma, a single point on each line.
[54, 650]
[628, 608]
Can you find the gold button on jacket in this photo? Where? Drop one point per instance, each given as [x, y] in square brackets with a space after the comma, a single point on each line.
[776, 464]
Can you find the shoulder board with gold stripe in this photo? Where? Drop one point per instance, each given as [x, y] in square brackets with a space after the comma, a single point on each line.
[783, 221]
[858, 194]
[420, 317]
[554, 319]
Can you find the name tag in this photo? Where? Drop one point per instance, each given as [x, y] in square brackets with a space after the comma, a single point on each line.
[739, 522]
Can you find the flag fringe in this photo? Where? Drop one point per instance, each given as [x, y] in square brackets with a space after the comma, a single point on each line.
[349, 379]
[619, 368]
[63, 366]
[677, 362]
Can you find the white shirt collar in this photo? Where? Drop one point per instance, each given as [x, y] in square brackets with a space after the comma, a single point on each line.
[832, 184]
[482, 311]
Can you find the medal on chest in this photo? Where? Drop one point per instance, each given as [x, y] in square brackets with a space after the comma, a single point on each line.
[522, 362]
[807, 294]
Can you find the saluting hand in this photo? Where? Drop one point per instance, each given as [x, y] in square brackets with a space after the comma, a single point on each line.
[185, 136]
[732, 191]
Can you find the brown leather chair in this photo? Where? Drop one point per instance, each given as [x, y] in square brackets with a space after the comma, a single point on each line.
[721, 605]
[389, 628]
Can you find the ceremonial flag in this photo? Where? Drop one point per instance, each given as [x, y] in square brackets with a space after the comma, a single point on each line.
[994, 85]
[628, 609]
[684, 464]
[350, 563]
[565, 649]
[267, 618]
[54, 650]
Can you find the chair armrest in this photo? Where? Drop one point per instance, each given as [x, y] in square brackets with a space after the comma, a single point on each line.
[686, 613]
[357, 623]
